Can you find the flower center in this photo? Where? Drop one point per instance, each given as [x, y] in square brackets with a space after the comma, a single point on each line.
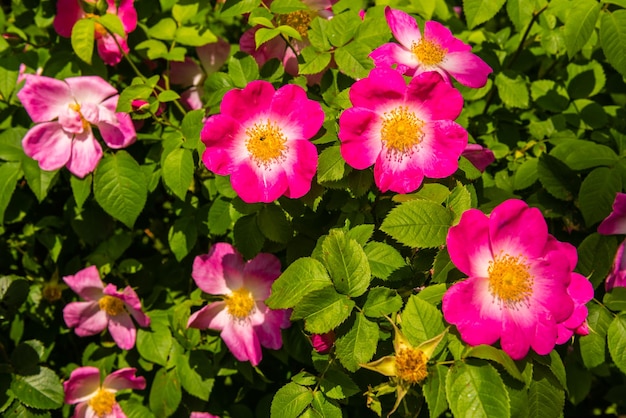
[411, 365]
[428, 52]
[266, 143]
[102, 403]
[76, 108]
[111, 305]
[509, 279]
[299, 20]
[240, 303]
[402, 130]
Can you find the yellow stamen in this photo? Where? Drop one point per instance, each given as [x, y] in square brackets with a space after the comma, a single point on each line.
[100, 30]
[111, 305]
[428, 52]
[266, 143]
[240, 303]
[299, 20]
[401, 130]
[102, 403]
[76, 108]
[411, 365]
[509, 279]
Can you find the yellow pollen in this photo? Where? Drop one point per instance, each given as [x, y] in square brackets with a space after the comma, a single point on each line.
[111, 305]
[411, 365]
[240, 303]
[509, 279]
[299, 20]
[102, 403]
[266, 143]
[100, 30]
[401, 130]
[428, 52]
[76, 108]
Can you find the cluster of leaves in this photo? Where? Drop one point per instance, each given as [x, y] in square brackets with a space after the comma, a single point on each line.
[553, 113]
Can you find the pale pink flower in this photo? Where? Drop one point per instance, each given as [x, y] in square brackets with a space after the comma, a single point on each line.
[407, 132]
[96, 399]
[521, 288]
[104, 307]
[71, 11]
[191, 76]
[65, 113]
[244, 320]
[261, 139]
[479, 156]
[437, 50]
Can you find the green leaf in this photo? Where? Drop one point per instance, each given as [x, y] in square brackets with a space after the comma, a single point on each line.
[597, 193]
[579, 25]
[361, 233]
[347, 264]
[120, 188]
[194, 36]
[615, 300]
[557, 178]
[168, 96]
[595, 257]
[243, 69]
[585, 80]
[264, 35]
[421, 321]
[520, 12]
[613, 39]
[164, 29]
[9, 71]
[11, 144]
[185, 12]
[303, 276]
[459, 201]
[38, 180]
[196, 376]
[476, 390]
[191, 127]
[290, 401]
[487, 352]
[286, 6]
[248, 237]
[358, 345]
[480, 11]
[113, 23]
[314, 61]
[419, 224]
[342, 27]
[182, 236]
[353, 59]
[593, 345]
[9, 173]
[234, 8]
[178, 170]
[322, 310]
[434, 389]
[331, 165]
[545, 398]
[324, 407]
[383, 259]
[337, 385]
[219, 216]
[42, 390]
[526, 174]
[512, 89]
[617, 341]
[81, 188]
[83, 34]
[154, 344]
[549, 95]
[274, 224]
[165, 393]
[581, 155]
[381, 301]
[130, 93]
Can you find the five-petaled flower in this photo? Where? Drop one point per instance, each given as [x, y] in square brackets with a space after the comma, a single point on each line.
[244, 320]
[65, 113]
[521, 288]
[261, 138]
[407, 132]
[96, 399]
[104, 307]
[437, 50]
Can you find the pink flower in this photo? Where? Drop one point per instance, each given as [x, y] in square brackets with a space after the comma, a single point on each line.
[202, 415]
[95, 399]
[71, 11]
[479, 156]
[521, 288]
[615, 223]
[191, 76]
[617, 276]
[322, 343]
[65, 112]
[104, 307]
[244, 320]
[437, 50]
[406, 132]
[261, 139]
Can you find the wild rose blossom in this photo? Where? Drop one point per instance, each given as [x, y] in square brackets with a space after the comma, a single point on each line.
[261, 138]
[521, 288]
[104, 307]
[244, 321]
[407, 132]
[615, 224]
[71, 11]
[65, 113]
[94, 399]
[437, 50]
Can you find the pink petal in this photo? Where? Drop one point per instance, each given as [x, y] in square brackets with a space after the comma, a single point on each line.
[323, 343]
[441, 35]
[218, 135]
[202, 415]
[192, 98]
[268, 332]
[109, 50]
[467, 68]
[83, 384]
[186, 73]
[393, 55]
[71, 121]
[291, 104]
[92, 321]
[546, 334]
[124, 379]
[617, 276]
[117, 129]
[90, 89]
[515, 340]
[438, 99]
[359, 132]
[469, 245]
[49, 144]
[220, 271]
[86, 154]
[378, 89]
[256, 184]
[259, 274]
[479, 156]
[213, 316]
[75, 313]
[212, 56]
[398, 173]
[116, 412]
[68, 13]
[86, 283]
[123, 331]
[44, 98]
[247, 103]
[403, 26]
[133, 305]
[615, 223]
[242, 341]
[81, 411]
[517, 229]
[300, 169]
[441, 147]
[126, 12]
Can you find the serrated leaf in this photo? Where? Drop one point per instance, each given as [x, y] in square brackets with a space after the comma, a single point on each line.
[418, 224]
[346, 263]
[177, 171]
[593, 345]
[579, 25]
[520, 12]
[616, 338]
[322, 310]
[597, 193]
[314, 61]
[381, 301]
[383, 259]
[337, 385]
[545, 399]
[81, 189]
[303, 276]
[165, 393]
[11, 144]
[434, 389]
[581, 155]
[615, 300]
[342, 27]
[38, 180]
[232, 8]
[480, 11]
[248, 237]
[243, 69]
[42, 390]
[83, 35]
[361, 233]
[487, 352]
[512, 89]
[120, 188]
[154, 344]
[459, 201]
[290, 401]
[613, 39]
[113, 23]
[557, 178]
[191, 127]
[324, 407]
[219, 216]
[168, 96]
[353, 60]
[274, 224]
[331, 165]
[526, 174]
[9, 173]
[194, 36]
[164, 29]
[421, 321]
[182, 237]
[196, 375]
[358, 345]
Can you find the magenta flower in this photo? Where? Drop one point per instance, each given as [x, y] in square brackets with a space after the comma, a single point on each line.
[65, 113]
[437, 50]
[191, 76]
[97, 399]
[261, 139]
[521, 288]
[71, 11]
[479, 156]
[202, 415]
[407, 132]
[104, 307]
[617, 276]
[244, 320]
[323, 343]
[615, 224]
